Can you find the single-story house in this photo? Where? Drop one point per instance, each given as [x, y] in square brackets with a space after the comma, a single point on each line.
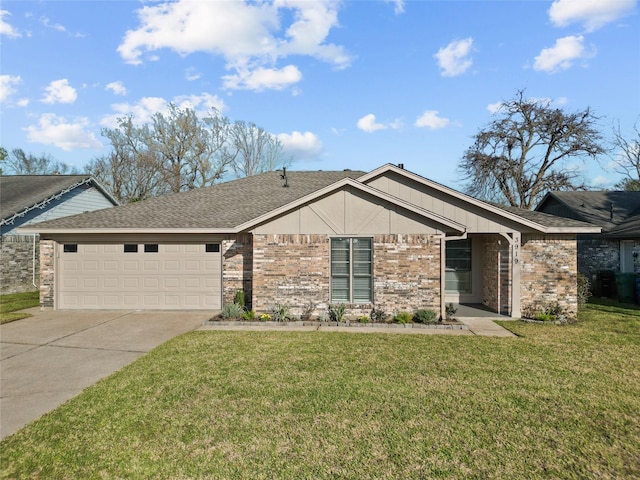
[389, 239]
[617, 247]
[28, 199]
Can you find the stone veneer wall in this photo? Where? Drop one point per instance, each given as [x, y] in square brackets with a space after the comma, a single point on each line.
[549, 273]
[16, 263]
[47, 274]
[237, 268]
[496, 274]
[596, 253]
[295, 270]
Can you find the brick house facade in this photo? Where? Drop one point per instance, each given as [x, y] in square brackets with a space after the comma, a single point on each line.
[389, 240]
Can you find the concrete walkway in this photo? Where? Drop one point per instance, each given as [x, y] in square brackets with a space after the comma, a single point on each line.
[51, 357]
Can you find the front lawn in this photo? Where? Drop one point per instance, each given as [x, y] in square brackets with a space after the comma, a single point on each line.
[555, 402]
[9, 304]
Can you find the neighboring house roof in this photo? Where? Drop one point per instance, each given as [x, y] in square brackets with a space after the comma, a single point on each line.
[617, 213]
[21, 193]
[242, 204]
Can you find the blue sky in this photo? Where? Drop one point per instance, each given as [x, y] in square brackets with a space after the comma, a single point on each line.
[353, 84]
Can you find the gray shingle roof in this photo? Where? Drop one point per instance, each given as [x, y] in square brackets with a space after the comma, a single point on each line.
[18, 192]
[618, 213]
[544, 219]
[225, 205]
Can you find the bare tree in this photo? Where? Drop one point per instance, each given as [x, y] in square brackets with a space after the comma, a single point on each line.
[177, 151]
[255, 150]
[627, 158]
[20, 163]
[522, 154]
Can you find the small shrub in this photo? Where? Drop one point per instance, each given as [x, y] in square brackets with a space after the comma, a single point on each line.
[584, 290]
[264, 317]
[363, 319]
[425, 316]
[336, 312]
[249, 315]
[403, 317]
[281, 313]
[378, 315]
[324, 316]
[238, 299]
[542, 316]
[307, 311]
[232, 310]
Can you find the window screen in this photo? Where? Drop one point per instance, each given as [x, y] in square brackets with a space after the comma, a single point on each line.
[351, 270]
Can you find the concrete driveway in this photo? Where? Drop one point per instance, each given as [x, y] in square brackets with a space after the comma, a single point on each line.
[51, 357]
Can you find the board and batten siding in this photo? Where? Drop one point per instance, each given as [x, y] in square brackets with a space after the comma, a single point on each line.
[81, 199]
[473, 217]
[349, 212]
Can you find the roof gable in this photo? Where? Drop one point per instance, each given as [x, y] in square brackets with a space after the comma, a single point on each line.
[20, 194]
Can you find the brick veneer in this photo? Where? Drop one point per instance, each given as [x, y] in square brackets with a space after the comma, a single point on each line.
[496, 274]
[47, 274]
[237, 267]
[17, 265]
[549, 272]
[295, 270]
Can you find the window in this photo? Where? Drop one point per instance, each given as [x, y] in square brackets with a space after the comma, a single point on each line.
[351, 270]
[70, 248]
[212, 248]
[150, 248]
[458, 266]
[130, 248]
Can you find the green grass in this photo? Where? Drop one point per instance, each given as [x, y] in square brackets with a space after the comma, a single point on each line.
[17, 301]
[555, 402]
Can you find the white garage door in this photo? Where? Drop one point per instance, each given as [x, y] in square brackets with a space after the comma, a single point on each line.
[140, 276]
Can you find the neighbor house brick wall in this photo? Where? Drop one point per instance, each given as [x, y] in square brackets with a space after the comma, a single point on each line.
[407, 272]
[549, 273]
[496, 274]
[17, 266]
[47, 274]
[597, 253]
[295, 269]
[237, 267]
[291, 270]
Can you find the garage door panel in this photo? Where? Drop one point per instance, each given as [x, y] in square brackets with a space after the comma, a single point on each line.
[104, 276]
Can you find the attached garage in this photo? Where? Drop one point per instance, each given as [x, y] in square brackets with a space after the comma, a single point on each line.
[143, 276]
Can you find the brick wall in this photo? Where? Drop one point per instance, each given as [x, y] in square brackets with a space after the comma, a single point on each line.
[406, 272]
[237, 268]
[597, 254]
[295, 270]
[291, 270]
[47, 274]
[549, 272]
[17, 263]
[496, 274]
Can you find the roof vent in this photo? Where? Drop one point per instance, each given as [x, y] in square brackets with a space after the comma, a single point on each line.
[401, 166]
[283, 176]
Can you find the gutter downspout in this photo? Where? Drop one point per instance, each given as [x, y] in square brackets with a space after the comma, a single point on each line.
[443, 269]
[33, 263]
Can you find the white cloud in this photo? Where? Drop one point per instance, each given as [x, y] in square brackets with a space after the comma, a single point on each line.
[143, 110]
[54, 130]
[301, 146]
[431, 119]
[592, 14]
[191, 74]
[369, 124]
[562, 55]
[5, 28]
[59, 91]
[117, 88]
[398, 6]
[263, 78]
[54, 26]
[249, 35]
[494, 107]
[7, 86]
[454, 59]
